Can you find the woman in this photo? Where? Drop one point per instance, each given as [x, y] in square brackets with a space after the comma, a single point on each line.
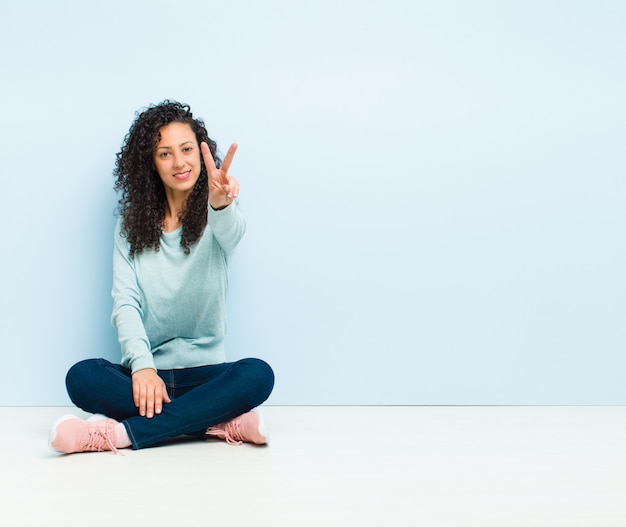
[177, 229]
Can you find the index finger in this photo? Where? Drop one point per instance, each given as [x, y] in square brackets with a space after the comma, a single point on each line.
[136, 394]
[208, 157]
[229, 157]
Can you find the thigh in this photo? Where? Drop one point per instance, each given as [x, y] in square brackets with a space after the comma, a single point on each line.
[241, 384]
[99, 386]
[181, 381]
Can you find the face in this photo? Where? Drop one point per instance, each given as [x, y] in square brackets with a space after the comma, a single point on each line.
[177, 158]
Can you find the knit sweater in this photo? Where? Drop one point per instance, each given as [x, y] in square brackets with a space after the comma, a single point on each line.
[169, 308]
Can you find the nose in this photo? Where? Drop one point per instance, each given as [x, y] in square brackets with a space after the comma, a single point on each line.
[178, 160]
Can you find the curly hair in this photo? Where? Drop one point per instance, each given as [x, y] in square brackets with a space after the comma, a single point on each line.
[142, 201]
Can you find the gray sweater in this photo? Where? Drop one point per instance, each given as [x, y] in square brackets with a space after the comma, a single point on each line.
[169, 308]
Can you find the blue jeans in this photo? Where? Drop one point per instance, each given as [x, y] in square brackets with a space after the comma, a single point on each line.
[201, 397]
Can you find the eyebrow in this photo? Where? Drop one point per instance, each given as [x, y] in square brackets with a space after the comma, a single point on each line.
[182, 144]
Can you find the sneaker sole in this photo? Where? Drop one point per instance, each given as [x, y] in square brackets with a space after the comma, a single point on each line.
[262, 428]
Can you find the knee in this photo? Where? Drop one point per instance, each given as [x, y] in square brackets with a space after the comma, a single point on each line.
[263, 376]
[76, 379]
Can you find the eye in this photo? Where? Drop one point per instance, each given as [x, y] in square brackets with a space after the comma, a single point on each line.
[188, 149]
[163, 155]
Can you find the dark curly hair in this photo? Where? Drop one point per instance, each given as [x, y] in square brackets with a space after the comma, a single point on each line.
[142, 201]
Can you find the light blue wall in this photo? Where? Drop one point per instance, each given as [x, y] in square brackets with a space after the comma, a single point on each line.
[434, 191]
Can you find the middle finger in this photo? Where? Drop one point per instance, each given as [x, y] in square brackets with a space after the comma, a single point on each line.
[229, 158]
[150, 404]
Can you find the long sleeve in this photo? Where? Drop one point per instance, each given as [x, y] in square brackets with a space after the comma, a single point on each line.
[127, 314]
[228, 226]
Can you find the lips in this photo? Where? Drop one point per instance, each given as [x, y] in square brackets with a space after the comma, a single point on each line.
[182, 175]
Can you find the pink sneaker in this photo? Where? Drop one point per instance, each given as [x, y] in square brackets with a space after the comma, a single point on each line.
[72, 434]
[248, 428]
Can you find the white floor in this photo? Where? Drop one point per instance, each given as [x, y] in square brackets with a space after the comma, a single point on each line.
[327, 466]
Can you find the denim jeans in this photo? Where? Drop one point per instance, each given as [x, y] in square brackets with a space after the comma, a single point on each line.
[201, 397]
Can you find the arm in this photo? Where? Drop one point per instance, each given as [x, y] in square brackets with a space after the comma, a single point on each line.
[127, 314]
[228, 226]
[149, 391]
[225, 219]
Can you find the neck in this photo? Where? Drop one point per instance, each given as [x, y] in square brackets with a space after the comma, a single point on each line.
[174, 207]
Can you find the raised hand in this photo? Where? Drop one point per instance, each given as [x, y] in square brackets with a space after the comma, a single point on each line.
[223, 188]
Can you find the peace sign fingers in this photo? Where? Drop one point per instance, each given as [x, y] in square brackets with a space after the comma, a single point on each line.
[223, 188]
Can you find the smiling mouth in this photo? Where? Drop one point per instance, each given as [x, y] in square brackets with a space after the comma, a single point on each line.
[182, 175]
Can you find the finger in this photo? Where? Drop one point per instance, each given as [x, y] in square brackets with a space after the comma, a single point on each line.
[164, 398]
[234, 188]
[136, 394]
[229, 157]
[142, 401]
[160, 398]
[208, 157]
[158, 401]
[150, 403]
